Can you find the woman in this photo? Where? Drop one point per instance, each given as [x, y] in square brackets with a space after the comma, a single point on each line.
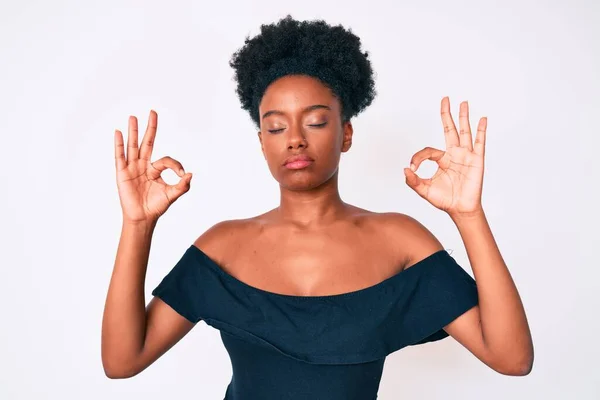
[310, 297]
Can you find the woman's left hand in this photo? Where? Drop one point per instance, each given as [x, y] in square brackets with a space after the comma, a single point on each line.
[456, 185]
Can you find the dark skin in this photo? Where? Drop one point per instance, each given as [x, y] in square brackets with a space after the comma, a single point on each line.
[313, 243]
[313, 234]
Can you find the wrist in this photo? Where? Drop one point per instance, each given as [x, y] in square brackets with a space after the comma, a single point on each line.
[144, 225]
[466, 216]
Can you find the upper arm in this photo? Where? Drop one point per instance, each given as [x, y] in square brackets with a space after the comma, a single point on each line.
[466, 328]
[164, 326]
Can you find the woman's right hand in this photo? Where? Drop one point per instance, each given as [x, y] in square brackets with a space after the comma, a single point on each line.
[144, 195]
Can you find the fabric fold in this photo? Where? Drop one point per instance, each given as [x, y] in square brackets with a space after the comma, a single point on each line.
[409, 308]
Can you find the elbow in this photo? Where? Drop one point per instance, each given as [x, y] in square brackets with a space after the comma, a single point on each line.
[116, 373]
[512, 362]
[120, 364]
[517, 369]
[520, 367]
[114, 369]
[111, 374]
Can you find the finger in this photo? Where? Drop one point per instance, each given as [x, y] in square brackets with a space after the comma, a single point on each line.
[428, 153]
[132, 139]
[120, 161]
[480, 136]
[175, 191]
[465, 138]
[449, 128]
[416, 183]
[149, 136]
[168, 163]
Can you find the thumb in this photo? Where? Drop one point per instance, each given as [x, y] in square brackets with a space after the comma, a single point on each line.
[175, 191]
[414, 182]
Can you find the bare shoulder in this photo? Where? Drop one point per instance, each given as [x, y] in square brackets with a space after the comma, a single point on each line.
[218, 232]
[225, 236]
[418, 241]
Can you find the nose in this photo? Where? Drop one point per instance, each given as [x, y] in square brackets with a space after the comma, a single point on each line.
[296, 138]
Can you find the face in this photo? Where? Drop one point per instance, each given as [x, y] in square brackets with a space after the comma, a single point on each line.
[300, 116]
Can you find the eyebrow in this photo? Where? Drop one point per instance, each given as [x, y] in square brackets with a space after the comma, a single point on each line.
[305, 109]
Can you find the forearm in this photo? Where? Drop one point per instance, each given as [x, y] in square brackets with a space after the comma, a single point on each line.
[504, 326]
[124, 320]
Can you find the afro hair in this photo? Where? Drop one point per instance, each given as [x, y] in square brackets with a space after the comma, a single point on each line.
[330, 53]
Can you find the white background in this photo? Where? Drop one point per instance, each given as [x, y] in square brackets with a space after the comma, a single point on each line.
[71, 72]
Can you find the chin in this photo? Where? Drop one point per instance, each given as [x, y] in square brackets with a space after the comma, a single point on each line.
[300, 183]
[302, 180]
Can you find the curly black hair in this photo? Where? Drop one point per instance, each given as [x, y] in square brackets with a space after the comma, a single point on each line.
[330, 53]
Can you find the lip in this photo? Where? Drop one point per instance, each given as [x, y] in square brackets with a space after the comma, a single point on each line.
[298, 161]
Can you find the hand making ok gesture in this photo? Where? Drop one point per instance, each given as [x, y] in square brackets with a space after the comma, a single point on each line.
[144, 195]
[456, 185]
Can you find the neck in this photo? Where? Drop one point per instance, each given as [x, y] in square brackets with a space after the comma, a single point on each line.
[312, 208]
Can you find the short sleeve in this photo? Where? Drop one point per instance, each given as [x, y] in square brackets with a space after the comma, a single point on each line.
[446, 292]
[180, 288]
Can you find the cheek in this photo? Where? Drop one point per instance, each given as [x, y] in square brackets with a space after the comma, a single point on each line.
[332, 146]
[272, 154]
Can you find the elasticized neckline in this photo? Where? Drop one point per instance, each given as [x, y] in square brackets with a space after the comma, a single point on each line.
[398, 275]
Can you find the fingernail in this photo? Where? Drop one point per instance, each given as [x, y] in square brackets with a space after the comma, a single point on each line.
[413, 167]
[181, 172]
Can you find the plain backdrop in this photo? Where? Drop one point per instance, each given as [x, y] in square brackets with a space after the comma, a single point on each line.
[71, 72]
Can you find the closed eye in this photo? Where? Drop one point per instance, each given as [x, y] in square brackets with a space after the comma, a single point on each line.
[313, 125]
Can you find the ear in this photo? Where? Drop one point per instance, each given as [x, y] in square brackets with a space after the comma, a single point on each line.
[261, 144]
[348, 132]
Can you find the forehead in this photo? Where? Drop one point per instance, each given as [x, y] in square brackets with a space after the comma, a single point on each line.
[293, 92]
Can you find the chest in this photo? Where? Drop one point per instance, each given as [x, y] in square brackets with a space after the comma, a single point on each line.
[313, 264]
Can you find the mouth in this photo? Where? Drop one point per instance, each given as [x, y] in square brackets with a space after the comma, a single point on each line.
[299, 164]
[298, 161]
